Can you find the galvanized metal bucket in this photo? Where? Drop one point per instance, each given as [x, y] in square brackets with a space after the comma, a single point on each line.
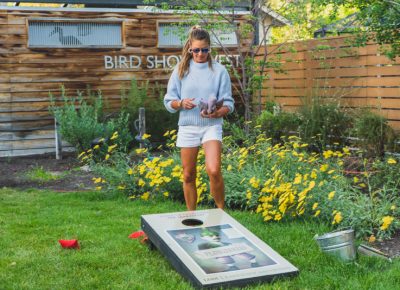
[339, 244]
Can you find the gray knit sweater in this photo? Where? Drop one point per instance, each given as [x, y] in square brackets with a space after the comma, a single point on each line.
[200, 83]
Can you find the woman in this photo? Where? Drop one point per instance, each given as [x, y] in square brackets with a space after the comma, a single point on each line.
[197, 77]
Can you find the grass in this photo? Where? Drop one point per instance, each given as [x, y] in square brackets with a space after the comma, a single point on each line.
[31, 222]
[41, 175]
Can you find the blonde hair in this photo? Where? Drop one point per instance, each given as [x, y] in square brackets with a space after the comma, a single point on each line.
[195, 33]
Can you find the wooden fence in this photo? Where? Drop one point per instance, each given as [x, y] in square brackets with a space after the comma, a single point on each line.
[328, 68]
[333, 69]
[28, 75]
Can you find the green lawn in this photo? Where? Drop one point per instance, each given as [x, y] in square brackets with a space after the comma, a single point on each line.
[31, 222]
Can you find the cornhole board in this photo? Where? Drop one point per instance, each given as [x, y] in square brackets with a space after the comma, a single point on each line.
[211, 249]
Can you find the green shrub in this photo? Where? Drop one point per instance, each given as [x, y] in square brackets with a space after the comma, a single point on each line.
[324, 124]
[373, 133]
[158, 119]
[120, 124]
[277, 125]
[79, 119]
[385, 174]
[82, 121]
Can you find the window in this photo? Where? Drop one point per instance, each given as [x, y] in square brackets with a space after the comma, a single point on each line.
[74, 33]
[172, 34]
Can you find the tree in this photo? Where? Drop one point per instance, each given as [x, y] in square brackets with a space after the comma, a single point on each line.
[306, 17]
[380, 21]
[249, 69]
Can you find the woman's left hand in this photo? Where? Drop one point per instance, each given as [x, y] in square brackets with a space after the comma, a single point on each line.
[221, 112]
[213, 115]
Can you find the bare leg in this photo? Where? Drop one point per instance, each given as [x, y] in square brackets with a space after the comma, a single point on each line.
[189, 159]
[212, 151]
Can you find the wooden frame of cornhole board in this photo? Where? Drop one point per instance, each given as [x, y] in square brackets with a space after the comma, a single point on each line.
[212, 249]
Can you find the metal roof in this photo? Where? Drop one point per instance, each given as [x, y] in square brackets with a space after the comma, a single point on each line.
[126, 3]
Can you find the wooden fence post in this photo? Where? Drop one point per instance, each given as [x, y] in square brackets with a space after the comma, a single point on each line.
[142, 123]
[57, 140]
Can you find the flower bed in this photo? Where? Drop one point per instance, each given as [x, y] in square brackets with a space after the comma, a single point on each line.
[278, 182]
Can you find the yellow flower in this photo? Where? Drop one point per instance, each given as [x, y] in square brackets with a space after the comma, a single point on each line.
[107, 156]
[356, 179]
[311, 185]
[267, 218]
[393, 207]
[254, 182]
[331, 195]
[337, 218]
[96, 147]
[111, 148]
[315, 205]
[317, 213]
[141, 183]
[140, 151]
[371, 239]
[387, 220]
[98, 188]
[166, 193]
[297, 179]
[324, 167]
[362, 185]
[248, 194]
[82, 153]
[130, 171]
[145, 196]
[114, 136]
[327, 154]
[146, 136]
[97, 180]
[121, 187]
[313, 174]
[229, 168]
[391, 161]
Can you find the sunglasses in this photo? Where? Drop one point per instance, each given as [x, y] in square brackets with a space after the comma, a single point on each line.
[197, 50]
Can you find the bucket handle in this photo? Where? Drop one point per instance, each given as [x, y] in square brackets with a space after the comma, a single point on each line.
[342, 229]
[335, 231]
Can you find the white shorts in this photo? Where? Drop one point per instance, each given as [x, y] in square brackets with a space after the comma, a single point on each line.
[194, 136]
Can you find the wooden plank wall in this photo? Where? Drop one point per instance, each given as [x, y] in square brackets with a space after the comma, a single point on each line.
[27, 76]
[332, 69]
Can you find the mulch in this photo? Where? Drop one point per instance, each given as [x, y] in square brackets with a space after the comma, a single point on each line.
[13, 173]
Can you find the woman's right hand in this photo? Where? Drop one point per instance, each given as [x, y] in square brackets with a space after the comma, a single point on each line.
[187, 104]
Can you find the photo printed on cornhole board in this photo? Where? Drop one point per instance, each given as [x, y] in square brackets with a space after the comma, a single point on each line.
[220, 249]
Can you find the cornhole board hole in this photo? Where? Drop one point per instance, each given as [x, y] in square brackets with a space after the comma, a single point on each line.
[212, 249]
